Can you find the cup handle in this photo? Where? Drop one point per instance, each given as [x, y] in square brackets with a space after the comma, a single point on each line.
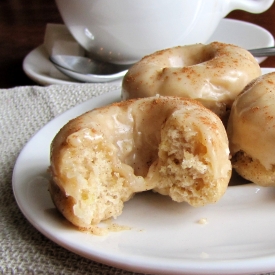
[253, 6]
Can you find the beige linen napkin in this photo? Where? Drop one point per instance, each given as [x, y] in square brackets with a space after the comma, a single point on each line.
[24, 250]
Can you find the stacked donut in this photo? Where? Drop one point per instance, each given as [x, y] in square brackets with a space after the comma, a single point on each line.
[167, 135]
[212, 74]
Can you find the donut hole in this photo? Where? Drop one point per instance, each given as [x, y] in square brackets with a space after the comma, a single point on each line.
[176, 61]
[186, 56]
[200, 56]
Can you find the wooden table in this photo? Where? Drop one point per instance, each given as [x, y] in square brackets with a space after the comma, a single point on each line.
[22, 28]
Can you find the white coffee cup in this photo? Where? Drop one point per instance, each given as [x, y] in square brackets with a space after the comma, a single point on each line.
[123, 31]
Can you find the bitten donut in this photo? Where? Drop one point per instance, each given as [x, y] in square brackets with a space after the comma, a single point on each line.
[213, 74]
[101, 158]
[251, 131]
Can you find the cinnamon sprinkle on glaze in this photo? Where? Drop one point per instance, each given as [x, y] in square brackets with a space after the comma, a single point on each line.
[196, 71]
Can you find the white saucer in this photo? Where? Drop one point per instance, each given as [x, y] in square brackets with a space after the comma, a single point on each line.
[169, 239]
[37, 66]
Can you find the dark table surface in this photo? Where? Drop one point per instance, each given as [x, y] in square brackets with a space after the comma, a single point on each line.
[22, 28]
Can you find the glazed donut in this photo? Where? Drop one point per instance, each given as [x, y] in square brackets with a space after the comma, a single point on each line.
[213, 74]
[251, 131]
[102, 158]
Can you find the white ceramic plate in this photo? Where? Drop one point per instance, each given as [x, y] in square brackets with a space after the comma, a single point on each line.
[38, 67]
[238, 238]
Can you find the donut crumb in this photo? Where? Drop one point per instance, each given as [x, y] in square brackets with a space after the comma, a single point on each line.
[203, 221]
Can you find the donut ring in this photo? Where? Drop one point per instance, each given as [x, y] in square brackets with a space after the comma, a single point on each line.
[251, 131]
[102, 158]
[213, 74]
